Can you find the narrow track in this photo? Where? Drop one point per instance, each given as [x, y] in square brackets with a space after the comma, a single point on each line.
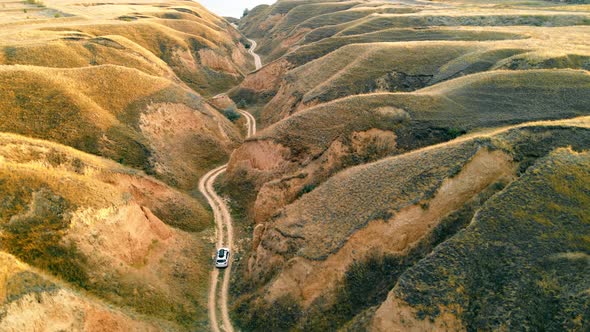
[224, 230]
[257, 60]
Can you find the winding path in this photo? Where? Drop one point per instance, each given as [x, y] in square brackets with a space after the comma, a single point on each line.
[224, 229]
[257, 60]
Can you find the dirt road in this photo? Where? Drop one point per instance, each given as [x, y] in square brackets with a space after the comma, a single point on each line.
[250, 122]
[224, 230]
[257, 60]
[222, 219]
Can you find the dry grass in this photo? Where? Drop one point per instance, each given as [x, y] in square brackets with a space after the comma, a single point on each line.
[374, 66]
[381, 67]
[528, 283]
[107, 79]
[314, 229]
[418, 77]
[465, 103]
[98, 109]
[290, 20]
[320, 141]
[25, 289]
[52, 190]
[173, 33]
[312, 51]
[505, 31]
[80, 50]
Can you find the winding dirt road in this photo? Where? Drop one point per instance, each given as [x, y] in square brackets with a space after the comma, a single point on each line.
[257, 60]
[224, 229]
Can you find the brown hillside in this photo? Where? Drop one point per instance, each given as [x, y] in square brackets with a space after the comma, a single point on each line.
[118, 113]
[419, 167]
[315, 143]
[107, 230]
[386, 216]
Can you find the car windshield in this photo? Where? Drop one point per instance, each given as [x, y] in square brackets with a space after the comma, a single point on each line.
[220, 260]
[221, 253]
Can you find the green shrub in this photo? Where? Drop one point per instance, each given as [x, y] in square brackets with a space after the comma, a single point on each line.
[231, 114]
[10, 51]
[242, 104]
[37, 3]
[280, 315]
[307, 189]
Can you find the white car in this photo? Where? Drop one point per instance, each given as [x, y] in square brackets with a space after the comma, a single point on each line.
[222, 257]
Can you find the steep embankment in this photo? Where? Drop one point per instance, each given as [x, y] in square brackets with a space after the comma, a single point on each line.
[369, 83]
[339, 249]
[297, 154]
[536, 230]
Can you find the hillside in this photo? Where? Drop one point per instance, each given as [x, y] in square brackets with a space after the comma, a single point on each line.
[537, 277]
[119, 113]
[356, 82]
[105, 229]
[299, 153]
[392, 132]
[105, 131]
[337, 251]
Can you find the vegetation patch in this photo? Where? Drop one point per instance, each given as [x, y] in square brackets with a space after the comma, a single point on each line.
[367, 283]
[538, 275]
[231, 114]
[255, 315]
[33, 225]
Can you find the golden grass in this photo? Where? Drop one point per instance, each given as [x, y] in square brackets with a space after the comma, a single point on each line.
[469, 102]
[98, 110]
[85, 51]
[104, 80]
[83, 179]
[423, 77]
[173, 33]
[310, 231]
[45, 184]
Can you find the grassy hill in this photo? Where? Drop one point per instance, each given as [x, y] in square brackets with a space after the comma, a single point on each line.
[410, 170]
[104, 133]
[536, 230]
[41, 296]
[510, 36]
[105, 230]
[116, 112]
[339, 249]
[201, 49]
[419, 165]
[317, 142]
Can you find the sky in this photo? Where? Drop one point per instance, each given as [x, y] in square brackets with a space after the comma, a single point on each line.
[233, 8]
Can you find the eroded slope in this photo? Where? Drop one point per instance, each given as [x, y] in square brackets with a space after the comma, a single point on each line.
[339, 249]
[106, 229]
